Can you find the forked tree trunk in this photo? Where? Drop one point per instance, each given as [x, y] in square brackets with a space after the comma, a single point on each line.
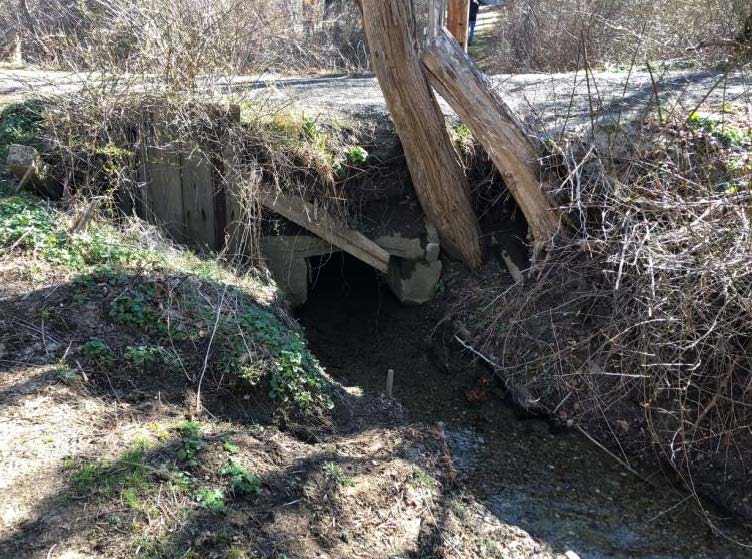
[437, 176]
[495, 126]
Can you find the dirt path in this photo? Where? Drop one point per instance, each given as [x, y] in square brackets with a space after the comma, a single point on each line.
[488, 21]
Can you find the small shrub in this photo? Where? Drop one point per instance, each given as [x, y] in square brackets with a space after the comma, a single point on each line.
[66, 374]
[462, 138]
[192, 443]
[334, 472]
[144, 355]
[356, 155]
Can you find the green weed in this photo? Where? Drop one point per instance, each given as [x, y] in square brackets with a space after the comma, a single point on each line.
[183, 482]
[424, 478]
[242, 481]
[66, 374]
[335, 473]
[356, 155]
[144, 355]
[727, 134]
[192, 443]
[230, 447]
[131, 498]
[462, 138]
[211, 499]
[98, 353]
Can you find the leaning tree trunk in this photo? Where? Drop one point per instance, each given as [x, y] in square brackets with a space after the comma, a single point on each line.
[437, 176]
[496, 127]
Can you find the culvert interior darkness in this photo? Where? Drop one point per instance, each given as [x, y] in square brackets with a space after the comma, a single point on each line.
[359, 330]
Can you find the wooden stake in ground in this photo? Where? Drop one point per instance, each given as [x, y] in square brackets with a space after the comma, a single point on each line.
[458, 21]
[495, 126]
[390, 383]
[437, 176]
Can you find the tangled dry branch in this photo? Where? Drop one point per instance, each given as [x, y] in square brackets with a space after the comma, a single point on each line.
[640, 323]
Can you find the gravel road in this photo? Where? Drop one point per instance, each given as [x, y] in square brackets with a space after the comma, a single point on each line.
[552, 101]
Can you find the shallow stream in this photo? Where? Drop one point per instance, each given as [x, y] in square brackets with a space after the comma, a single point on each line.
[552, 483]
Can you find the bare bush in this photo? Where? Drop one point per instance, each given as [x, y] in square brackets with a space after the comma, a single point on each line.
[547, 35]
[638, 327]
[182, 38]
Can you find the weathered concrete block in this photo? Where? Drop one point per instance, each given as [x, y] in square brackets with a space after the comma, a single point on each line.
[403, 247]
[27, 165]
[433, 250]
[287, 259]
[414, 281]
[20, 158]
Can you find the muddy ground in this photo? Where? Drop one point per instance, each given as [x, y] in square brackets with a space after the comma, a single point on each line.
[109, 463]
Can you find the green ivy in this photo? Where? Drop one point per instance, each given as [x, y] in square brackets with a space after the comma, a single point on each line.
[725, 133]
[296, 375]
[98, 352]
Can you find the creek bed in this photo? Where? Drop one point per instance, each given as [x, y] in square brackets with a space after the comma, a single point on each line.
[552, 483]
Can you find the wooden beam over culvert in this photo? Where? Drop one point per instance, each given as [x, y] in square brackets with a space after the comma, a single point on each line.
[326, 227]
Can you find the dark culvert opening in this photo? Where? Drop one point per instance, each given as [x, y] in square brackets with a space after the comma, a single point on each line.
[342, 276]
[359, 330]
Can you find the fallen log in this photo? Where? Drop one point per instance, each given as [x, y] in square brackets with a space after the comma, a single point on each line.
[437, 175]
[495, 126]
